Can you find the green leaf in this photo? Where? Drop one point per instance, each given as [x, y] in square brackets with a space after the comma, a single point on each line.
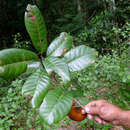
[80, 57]
[32, 66]
[56, 105]
[37, 86]
[57, 65]
[64, 41]
[13, 70]
[36, 28]
[13, 62]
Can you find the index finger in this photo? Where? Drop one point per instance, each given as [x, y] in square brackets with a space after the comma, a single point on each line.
[94, 107]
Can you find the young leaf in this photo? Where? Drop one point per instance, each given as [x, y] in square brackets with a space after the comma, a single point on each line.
[37, 86]
[57, 65]
[13, 62]
[36, 28]
[56, 105]
[80, 57]
[61, 43]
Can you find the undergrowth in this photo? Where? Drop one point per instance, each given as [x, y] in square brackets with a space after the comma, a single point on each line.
[108, 78]
[16, 112]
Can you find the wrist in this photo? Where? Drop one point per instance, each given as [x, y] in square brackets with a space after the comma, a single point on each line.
[124, 118]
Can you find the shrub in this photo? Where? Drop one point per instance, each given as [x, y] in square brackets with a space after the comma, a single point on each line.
[49, 86]
[19, 42]
[15, 112]
[108, 78]
[103, 35]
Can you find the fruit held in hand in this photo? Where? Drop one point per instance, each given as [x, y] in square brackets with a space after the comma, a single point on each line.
[76, 113]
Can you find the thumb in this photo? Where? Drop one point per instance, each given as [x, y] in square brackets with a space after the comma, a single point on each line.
[93, 107]
[92, 110]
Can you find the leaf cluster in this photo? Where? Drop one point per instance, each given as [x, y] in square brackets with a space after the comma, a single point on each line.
[51, 95]
[103, 35]
[108, 78]
[15, 111]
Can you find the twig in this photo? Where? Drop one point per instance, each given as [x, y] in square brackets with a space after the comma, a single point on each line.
[75, 100]
[92, 15]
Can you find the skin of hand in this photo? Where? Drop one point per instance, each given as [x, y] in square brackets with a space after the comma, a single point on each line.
[104, 112]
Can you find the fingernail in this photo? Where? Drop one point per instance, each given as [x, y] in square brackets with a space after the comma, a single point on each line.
[90, 117]
[100, 122]
[83, 112]
[87, 110]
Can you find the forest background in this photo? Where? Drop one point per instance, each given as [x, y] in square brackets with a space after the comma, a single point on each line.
[100, 24]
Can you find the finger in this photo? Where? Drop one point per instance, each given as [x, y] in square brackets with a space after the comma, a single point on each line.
[99, 120]
[94, 106]
[83, 111]
[90, 117]
[115, 122]
[104, 122]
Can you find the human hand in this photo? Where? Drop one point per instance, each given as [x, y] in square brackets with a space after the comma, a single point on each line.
[103, 112]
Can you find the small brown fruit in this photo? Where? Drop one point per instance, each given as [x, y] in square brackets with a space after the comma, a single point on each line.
[76, 113]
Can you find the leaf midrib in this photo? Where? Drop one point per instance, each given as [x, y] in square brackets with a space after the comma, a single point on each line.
[57, 102]
[76, 58]
[16, 63]
[58, 46]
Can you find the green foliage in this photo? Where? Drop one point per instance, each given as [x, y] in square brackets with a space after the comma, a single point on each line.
[63, 16]
[11, 21]
[36, 28]
[56, 105]
[36, 86]
[60, 16]
[123, 11]
[60, 59]
[64, 41]
[20, 43]
[57, 65]
[74, 22]
[80, 57]
[108, 78]
[32, 66]
[14, 61]
[104, 29]
[103, 35]
[15, 111]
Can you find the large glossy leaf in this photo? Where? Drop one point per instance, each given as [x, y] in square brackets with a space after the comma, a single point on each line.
[57, 65]
[64, 41]
[80, 57]
[14, 61]
[37, 86]
[56, 105]
[32, 66]
[36, 28]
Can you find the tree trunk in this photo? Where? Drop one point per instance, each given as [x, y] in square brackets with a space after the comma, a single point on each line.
[79, 7]
[113, 6]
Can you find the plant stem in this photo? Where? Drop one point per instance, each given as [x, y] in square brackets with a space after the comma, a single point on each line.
[41, 59]
[75, 100]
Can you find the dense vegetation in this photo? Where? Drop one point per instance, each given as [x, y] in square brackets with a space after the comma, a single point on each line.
[100, 24]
